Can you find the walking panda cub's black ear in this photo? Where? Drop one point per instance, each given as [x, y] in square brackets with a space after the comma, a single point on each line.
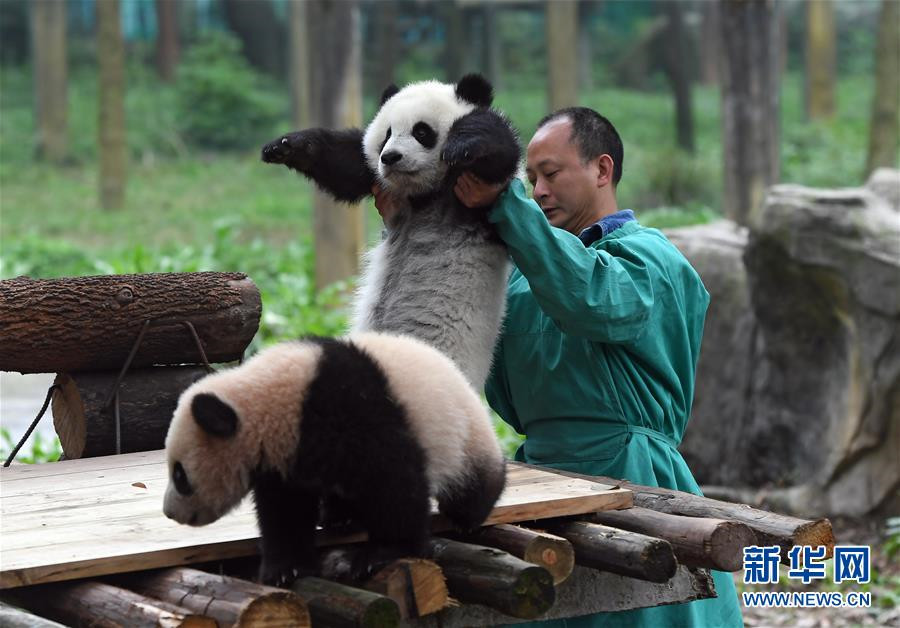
[214, 415]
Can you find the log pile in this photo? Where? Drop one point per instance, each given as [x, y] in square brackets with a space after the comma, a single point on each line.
[603, 561]
[123, 347]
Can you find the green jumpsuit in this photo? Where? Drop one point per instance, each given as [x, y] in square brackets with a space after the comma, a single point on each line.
[596, 367]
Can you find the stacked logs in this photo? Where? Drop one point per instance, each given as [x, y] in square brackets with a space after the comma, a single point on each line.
[164, 327]
[654, 553]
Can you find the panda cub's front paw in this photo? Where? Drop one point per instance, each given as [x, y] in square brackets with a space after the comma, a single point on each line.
[463, 151]
[280, 573]
[296, 150]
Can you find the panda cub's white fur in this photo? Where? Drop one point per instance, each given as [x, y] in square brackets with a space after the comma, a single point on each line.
[375, 421]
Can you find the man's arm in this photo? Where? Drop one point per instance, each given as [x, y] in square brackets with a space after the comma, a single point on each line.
[586, 291]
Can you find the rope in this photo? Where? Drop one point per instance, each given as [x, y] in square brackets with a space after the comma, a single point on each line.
[33, 425]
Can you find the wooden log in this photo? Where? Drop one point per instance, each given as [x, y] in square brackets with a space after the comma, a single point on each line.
[697, 542]
[91, 323]
[485, 575]
[770, 528]
[13, 617]
[230, 601]
[147, 399]
[416, 585]
[618, 551]
[101, 605]
[553, 553]
[334, 605]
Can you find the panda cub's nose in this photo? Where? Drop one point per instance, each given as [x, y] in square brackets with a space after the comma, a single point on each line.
[389, 158]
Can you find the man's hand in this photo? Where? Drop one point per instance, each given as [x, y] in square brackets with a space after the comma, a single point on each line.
[384, 203]
[473, 192]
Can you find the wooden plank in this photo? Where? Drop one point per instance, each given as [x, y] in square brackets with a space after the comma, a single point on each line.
[97, 516]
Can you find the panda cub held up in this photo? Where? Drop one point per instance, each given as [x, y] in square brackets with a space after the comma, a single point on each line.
[440, 273]
[370, 426]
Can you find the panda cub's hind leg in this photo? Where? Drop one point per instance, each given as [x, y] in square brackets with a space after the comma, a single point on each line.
[468, 503]
[397, 515]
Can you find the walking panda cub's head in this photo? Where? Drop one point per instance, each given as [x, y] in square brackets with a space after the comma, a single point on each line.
[403, 143]
[231, 424]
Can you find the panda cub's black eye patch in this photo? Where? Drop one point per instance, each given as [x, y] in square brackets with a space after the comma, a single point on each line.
[424, 134]
[180, 479]
[387, 136]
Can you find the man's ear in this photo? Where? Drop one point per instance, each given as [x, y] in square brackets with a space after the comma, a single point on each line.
[605, 169]
[214, 415]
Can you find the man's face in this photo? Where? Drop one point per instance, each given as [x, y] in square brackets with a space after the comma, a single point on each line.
[564, 187]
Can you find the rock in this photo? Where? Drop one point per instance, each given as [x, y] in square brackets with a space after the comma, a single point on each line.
[885, 182]
[798, 388]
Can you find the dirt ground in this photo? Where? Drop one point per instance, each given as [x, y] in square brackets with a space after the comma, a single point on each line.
[885, 587]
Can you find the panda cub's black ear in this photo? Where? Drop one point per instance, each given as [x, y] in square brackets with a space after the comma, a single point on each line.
[475, 89]
[214, 415]
[389, 91]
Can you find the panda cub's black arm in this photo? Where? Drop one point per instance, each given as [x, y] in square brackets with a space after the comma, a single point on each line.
[334, 160]
[485, 143]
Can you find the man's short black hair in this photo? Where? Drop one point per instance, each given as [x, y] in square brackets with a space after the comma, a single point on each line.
[593, 136]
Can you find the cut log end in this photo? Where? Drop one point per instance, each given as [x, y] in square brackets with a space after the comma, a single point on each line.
[275, 609]
[68, 416]
[726, 545]
[815, 533]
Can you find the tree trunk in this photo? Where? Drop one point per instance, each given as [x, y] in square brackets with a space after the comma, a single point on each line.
[261, 32]
[562, 53]
[820, 59]
[92, 323]
[230, 601]
[675, 62]
[484, 575]
[618, 551]
[492, 46]
[386, 40]
[585, 51]
[111, 126]
[697, 542]
[48, 46]
[454, 40]
[299, 64]
[337, 103]
[883, 129]
[167, 39]
[750, 104]
[709, 47]
[86, 425]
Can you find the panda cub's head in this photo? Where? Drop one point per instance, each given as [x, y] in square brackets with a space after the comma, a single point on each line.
[403, 142]
[231, 424]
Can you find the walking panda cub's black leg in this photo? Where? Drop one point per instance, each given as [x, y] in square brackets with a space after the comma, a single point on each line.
[334, 160]
[287, 517]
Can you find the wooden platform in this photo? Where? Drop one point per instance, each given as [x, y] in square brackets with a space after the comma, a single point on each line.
[97, 516]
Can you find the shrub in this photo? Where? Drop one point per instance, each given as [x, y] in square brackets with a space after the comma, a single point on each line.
[223, 102]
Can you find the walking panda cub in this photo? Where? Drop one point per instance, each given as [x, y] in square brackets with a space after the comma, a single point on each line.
[371, 425]
[440, 274]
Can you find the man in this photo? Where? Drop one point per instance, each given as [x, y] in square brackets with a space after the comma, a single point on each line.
[604, 319]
